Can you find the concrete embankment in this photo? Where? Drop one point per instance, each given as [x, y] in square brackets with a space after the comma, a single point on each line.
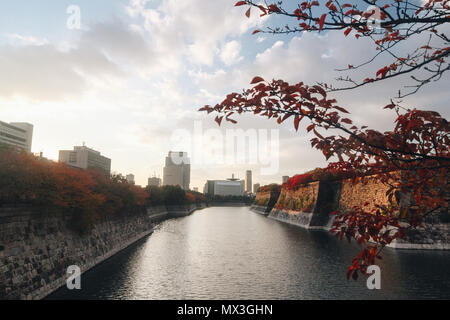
[36, 250]
[310, 205]
[260, 209]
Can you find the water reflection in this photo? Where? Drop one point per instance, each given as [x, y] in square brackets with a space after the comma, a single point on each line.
[232, 253]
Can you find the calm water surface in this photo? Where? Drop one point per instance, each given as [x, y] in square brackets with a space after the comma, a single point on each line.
[233, 253]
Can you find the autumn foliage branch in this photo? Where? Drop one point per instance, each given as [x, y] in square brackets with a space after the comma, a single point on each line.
[388, 24]
[413, 158]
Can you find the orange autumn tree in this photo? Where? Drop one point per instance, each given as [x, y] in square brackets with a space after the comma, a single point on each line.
[413, 158]
[56, 188]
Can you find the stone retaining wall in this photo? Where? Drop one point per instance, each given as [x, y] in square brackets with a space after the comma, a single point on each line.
[259, 209]
[310, 206]
[36, 250]
[432, 236]
[371, 190]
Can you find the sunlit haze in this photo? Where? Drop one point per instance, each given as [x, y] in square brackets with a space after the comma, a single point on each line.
[137, 70]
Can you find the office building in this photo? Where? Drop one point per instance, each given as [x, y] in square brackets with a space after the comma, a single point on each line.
[85, 158]
[256, 187]
[154, 182]
[18, 134]
[177, 171]
[248, 181]
[229, 187]
[130, 179]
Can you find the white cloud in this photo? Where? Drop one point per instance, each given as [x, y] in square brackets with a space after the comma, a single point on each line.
[123, 44]
[230, 53]
[193, 29]
[202, 53]
[39, 70]
[19, 39]
[45, 73]
[314, 58]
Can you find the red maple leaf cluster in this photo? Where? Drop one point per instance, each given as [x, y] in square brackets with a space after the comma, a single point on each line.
[413, 158]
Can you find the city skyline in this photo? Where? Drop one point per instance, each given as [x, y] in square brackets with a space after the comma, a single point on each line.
[65, 155]
[81, 156]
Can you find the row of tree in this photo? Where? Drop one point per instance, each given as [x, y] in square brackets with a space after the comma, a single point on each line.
[319, 174]
[87, 195]
[173, 195]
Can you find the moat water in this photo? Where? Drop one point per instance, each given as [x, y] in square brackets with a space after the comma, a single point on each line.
[233, 253]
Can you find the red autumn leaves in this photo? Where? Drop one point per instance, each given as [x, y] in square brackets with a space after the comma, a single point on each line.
[417, 147]
[396, 22]
[412, 158]
[334, 172]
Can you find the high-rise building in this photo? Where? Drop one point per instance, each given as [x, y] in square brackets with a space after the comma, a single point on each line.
[130, 178]
[248, 181]
[195, 189]
[285, 179]
[85, 158]
[18, 134]
[177, 171]
[229, 187]
[256, 187]
[154, 182]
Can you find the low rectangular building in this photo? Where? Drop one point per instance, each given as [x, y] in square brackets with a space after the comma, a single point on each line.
[224, 187]
[85, 158]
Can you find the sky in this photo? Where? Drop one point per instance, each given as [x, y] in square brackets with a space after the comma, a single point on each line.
[129, 81]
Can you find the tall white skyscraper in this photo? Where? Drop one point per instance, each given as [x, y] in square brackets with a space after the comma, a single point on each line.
[177, 171]
[248, 181]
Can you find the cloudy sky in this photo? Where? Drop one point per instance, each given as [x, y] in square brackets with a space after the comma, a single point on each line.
[136, 72]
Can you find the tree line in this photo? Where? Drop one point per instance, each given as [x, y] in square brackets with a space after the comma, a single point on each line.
[86, 195]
